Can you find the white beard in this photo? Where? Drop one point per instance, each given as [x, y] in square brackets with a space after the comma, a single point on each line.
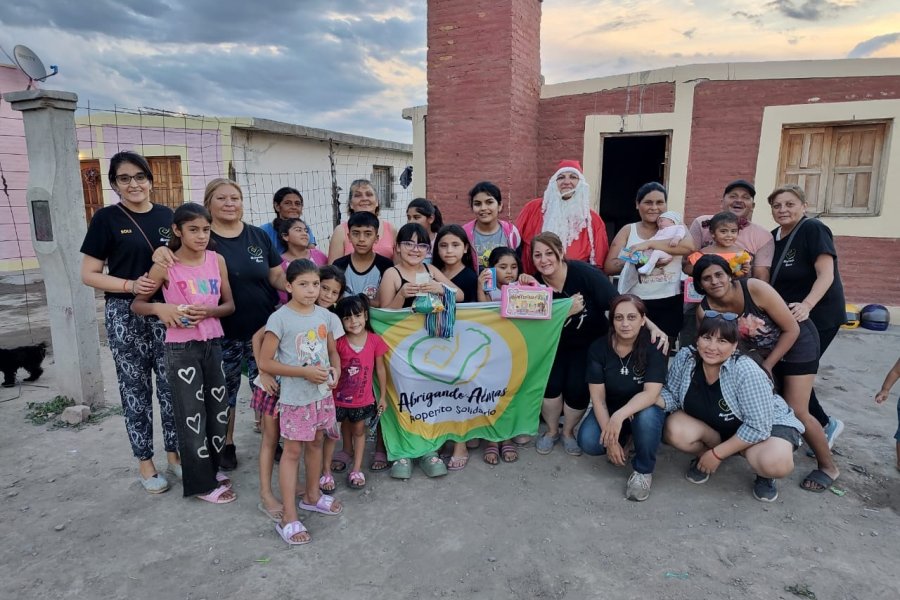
[567, 218]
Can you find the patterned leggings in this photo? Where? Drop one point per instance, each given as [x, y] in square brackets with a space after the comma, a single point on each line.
[234, 354]
[198, 384]
[137, 345]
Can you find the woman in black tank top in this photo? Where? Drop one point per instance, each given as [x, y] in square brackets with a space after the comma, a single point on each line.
[790, 349]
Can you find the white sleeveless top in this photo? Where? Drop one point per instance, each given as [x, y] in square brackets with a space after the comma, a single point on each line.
[662, 282]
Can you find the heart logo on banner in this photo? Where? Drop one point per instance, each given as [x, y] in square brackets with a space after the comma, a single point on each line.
[218, 392]
[222, 417]
[194, 423]
[199, 395]
[203, 451]
[218, 442]
[187, 375]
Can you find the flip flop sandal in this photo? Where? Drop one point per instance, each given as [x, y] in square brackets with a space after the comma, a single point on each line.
[508, 449]
[322, 506]
[223, 479]
[379, 462]
[820, 478]
[491, 451]
[339, 461]
[290, 530]
[275, 515]
[356, 480]
[457, 463]
[326, 483]
[215, 496]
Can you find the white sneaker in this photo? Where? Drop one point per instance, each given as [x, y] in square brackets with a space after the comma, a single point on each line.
[638, 486]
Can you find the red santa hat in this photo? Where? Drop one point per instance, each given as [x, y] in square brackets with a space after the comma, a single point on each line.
[570, 164]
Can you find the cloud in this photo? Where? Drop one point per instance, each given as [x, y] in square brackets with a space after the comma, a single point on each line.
[299, 62]
[754, 18]
[872, 45]
[689, 34]
[623, 23]
[810, 10]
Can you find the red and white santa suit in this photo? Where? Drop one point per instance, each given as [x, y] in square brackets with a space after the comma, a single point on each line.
[580, 228]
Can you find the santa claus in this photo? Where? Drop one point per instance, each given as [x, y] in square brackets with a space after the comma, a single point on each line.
[565, 210]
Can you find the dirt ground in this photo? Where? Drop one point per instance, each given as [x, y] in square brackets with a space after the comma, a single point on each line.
[76, 524]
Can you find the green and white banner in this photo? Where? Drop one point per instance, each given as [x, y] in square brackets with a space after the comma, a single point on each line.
[486, 382]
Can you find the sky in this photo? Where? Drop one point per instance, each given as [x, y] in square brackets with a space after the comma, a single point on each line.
[352, 66]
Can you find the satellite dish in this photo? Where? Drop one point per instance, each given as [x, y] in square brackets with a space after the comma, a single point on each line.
[31, 65]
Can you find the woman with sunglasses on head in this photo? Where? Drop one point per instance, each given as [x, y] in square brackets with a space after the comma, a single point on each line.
[122, 238]
[789, 350]
[722, 403]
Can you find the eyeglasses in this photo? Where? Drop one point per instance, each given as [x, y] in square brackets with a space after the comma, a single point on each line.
[728, 316]
[126, 179]
[411, 246]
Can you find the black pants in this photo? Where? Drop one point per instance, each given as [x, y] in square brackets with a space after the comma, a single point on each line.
[826, 336]
[197, 378]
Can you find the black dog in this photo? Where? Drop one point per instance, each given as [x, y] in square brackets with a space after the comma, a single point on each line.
[25, 357]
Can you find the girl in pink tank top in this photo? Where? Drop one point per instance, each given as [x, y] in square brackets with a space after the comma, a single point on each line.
[197, 295]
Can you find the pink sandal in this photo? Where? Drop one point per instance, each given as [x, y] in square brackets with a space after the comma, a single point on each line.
[322, 506]
[223, 479]
[340, 460]
[326, 480]
[356, 480]
[290, 530]
[215, 496]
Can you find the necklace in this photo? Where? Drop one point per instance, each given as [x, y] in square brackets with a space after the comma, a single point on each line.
[624, 370]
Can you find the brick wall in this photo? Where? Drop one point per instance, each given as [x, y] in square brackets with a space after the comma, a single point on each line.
[727, 120]
[483, 92]
[869, 275]
[561, 126]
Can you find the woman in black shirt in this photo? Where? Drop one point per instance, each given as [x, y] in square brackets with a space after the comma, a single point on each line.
[625, 375]
[805, 273]
[122, 238]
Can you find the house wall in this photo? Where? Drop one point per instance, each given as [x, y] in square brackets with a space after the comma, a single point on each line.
[265, 162]
[483, 92]
[203, 145]
[16, 252]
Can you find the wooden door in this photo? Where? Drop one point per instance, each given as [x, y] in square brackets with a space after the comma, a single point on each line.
[168, 188]
[91, 187]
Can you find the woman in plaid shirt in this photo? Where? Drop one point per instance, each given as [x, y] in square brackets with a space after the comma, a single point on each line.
[721, 403]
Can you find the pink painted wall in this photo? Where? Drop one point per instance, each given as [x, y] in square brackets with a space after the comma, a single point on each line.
[15, 231]
[202, 148]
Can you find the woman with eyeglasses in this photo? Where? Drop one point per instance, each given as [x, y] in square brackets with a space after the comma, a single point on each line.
[122, 238]
[789, 350]
[362, 198]
[288, 204]
[722, 403]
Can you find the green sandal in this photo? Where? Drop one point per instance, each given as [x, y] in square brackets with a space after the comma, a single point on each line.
[432, 464]
[401, 469]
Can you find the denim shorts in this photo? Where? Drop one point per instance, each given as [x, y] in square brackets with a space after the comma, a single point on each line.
[787, 433]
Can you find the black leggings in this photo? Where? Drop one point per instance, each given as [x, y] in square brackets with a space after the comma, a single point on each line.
[568, 377]
[826, 336]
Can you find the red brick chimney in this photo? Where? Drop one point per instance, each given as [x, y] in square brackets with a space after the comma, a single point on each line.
[484, 63]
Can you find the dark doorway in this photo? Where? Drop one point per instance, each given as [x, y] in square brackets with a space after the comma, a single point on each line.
[629, 162]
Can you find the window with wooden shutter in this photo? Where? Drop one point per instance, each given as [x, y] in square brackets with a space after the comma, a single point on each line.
[839, 166]
[168, 188]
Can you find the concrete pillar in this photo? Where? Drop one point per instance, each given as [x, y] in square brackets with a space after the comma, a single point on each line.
[56, 210]
[484, 86]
